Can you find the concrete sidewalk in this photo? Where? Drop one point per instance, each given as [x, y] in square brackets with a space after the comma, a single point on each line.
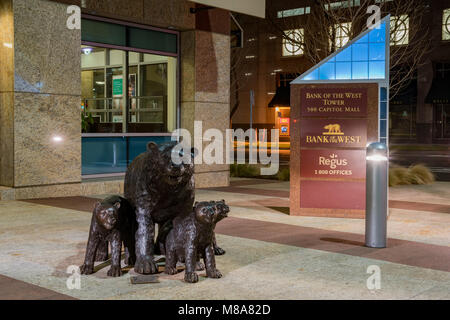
[270, 255]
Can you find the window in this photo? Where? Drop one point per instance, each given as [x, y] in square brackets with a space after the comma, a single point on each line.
[399, 30]
[443, 70]
[342, 4]
[294, 47]
[286, 78]
[151, 91]
[120, 35]
[446, 24]
[341, 34]
[293, 12]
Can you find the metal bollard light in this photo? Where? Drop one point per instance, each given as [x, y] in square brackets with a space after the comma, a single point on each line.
[376, 195]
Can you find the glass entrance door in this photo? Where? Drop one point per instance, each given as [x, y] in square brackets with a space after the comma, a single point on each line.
[441, 121]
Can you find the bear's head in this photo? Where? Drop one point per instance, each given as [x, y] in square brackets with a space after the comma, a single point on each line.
[204, 212]
[171, 173]
[220, 210]
[107, 215]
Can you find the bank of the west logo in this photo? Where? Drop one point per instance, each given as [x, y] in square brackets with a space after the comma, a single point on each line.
[333, 130]
[334, 135]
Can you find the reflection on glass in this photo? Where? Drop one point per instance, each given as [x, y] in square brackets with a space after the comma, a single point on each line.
[377, 70]
[343, 70]
[360, 52]
[360, 70]
[327, 71]
[151, 91]
[345, 55]
[377, 51]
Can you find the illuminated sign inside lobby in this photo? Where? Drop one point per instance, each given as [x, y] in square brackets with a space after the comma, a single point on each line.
[251, 7]
[284, 127]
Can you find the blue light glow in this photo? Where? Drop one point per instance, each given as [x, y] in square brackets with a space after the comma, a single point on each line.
[362, 59]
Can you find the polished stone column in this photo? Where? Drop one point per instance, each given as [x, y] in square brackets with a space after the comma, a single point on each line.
[205, 94]
[40, 130]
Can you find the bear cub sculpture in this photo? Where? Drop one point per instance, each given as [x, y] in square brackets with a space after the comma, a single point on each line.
[192, 238]
[112, 221]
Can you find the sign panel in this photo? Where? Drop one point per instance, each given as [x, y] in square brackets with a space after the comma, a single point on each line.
[333, 102]
[285, 127]
[251, 7]
[333, 133]
[332, 123]
[117, 86]
[333, 164]
[338, 194]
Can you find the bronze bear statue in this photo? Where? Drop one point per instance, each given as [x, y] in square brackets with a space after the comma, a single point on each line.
[112, 221]
[165, 229]
[158, 190]
[191, 238]
[219, 206]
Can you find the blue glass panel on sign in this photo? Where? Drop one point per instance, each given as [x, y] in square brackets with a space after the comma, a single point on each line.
[377, 51]
[313, 75]
[364, 39]
[343, 70]
[363, 59]
[377, 70]
[345, 55]
[360, 52]
[360, 70]
[383, 110]
[103, 155]
[383, 94]
[326, 71]
[378, 35]
[383, 132]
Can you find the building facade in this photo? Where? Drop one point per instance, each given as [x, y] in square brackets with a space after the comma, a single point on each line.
[133, 71]
[419, 113]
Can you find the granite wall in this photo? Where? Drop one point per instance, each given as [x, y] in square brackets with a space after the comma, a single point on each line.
[205, 69]
[40, 86]
[158, 13]
[40, 95]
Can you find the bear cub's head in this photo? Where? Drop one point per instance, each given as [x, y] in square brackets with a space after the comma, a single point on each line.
[221, 210]
[107, 215]
[210, 212]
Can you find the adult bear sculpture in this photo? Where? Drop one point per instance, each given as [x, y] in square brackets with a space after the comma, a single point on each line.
[158, 190]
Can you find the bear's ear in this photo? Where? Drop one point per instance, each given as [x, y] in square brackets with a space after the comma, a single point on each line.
[116, 205]
[223, 200]
[97, 205]
[153, 147]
